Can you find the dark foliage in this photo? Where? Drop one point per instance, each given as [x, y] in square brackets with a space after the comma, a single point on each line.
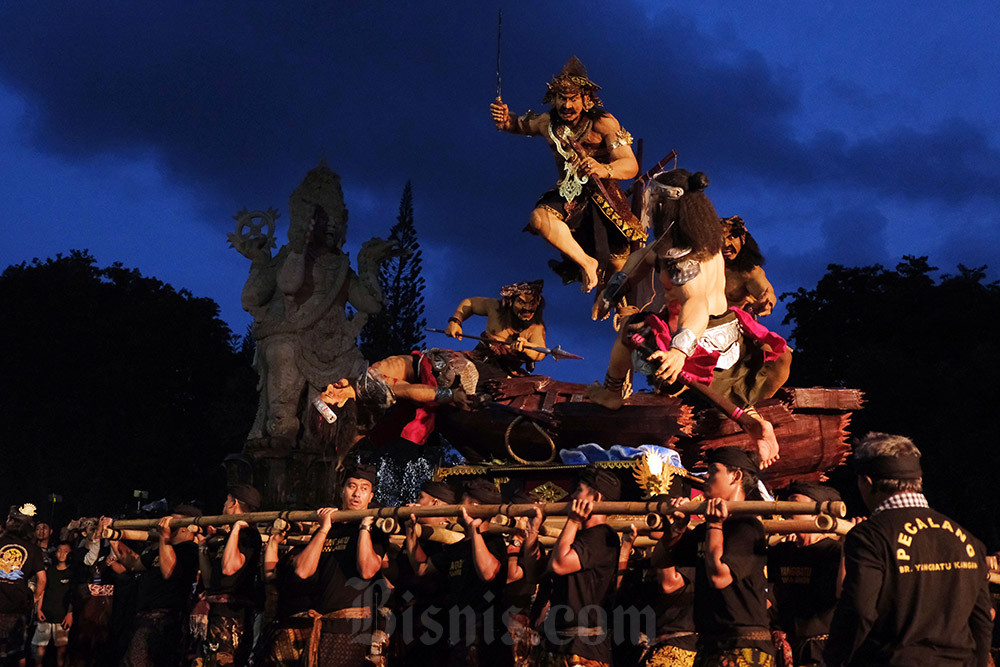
[926, 354]
[399, 327]
[112, 382]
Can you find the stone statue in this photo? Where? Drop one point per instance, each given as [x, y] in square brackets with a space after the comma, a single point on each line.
[305, 338]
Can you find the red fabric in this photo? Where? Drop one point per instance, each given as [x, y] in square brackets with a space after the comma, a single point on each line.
[701, 364]
[422, 425]
[761, 334]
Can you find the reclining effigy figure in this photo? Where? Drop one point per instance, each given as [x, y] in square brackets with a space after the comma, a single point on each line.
[439, 376]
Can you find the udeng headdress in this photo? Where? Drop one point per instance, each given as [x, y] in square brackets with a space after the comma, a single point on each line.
[533, 288]
[572, 79]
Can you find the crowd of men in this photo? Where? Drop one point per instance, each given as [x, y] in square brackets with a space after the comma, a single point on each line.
[908, 586]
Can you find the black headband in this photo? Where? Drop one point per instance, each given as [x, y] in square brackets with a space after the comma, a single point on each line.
[440, 490]
[249, 497]
[361, 471]
[732, 457]
[817, 492]
[890, 467]
[483, 491]
[602, 481]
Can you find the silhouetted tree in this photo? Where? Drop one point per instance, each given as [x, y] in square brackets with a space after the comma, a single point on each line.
[926, 353]
[113, 381]
[399, 327]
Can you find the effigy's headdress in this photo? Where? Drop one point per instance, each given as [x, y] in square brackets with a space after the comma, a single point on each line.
[533, 288]
[736, 224]
[572, 79]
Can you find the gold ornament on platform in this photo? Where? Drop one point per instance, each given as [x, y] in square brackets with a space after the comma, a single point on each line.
[652, 474]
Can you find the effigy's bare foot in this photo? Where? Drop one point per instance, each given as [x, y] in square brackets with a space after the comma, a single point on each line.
[762, 432]
[609, 399]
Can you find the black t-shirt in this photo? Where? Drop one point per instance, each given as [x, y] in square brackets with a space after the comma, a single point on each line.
[466, 590]
[241, 586]
[420, 592]
[338, 581]
[590, 590]
[155, 592]
[19, 561]
[55, 601]
[915, 593]
[740, 607]
[804, 581]
[674, 611]
[995, 594]
[294, 594]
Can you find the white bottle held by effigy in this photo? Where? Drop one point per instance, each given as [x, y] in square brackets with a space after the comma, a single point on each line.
[329, 415]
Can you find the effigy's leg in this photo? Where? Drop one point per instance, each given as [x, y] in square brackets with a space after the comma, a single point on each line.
[612, 394]
[777, 374]
[615, 264]
[544, 223]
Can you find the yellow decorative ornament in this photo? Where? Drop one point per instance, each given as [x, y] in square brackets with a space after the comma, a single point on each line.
[652, 474]
[27, 509]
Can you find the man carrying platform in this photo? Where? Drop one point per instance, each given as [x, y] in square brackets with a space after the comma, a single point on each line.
[513, 321]
[421, 603]
[586, 216]
[806, 573]
[728, 554]
[747, 286]
[915, 591]
[476, 573]
[229, 573]
[700, 337]
[167, 571]
[341, 560]
[584, 563]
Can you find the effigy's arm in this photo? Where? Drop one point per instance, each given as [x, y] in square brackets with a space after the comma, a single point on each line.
[622, 163]
[760, 288]
[529, 124]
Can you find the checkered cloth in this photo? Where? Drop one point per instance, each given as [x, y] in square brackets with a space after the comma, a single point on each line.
[901, 500]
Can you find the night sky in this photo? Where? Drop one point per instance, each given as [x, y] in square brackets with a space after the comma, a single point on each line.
[849, 132]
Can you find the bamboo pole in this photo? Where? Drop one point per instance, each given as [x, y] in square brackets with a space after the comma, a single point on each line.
[745, 507]
[821, 523]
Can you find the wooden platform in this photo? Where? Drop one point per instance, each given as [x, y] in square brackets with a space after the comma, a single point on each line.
[535, 417]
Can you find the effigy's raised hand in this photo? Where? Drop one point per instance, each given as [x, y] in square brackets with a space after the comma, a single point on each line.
[454, 329]
[500, 113]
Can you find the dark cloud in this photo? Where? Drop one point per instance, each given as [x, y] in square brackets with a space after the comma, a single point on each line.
[237, 100]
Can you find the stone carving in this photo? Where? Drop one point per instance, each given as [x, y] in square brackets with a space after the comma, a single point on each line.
[298, 302]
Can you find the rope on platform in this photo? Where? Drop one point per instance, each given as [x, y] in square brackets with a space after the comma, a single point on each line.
[506, 441]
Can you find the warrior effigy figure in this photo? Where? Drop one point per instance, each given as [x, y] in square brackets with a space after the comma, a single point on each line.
[747, 286]
[586, 216]
[512, 322]
[700, 337]
[429, 378]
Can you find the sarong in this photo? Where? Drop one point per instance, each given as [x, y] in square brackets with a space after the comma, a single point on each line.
[730, 355]
[156, 639]
[604, 227]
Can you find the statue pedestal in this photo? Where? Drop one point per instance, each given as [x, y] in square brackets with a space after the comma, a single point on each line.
[291, 478]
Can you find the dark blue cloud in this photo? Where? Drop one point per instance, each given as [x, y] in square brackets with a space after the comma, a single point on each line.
[233, 102]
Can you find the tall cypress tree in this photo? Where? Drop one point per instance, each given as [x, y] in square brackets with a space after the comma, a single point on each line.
[399, 327]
